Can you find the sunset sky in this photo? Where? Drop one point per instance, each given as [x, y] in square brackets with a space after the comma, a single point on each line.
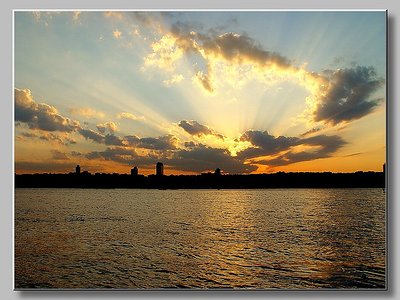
[245, 91]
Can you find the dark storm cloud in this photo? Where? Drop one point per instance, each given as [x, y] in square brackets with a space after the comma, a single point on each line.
[166, 142]
[197, 129]
[39, 115]
[348, 95]
[265, 144]
[326, 146]
[202, 158]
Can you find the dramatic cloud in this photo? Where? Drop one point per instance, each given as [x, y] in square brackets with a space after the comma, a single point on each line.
[166, 142]
[45, 117]
[202, 158]
[114, 140]
[194, 157]
[347, 96]
[197, 129]
[297, 149]
[122, 155]
[265, 144]
[91, 135]
[110, 126]
[335, 96]
[109, 139]
[39, 115]
[229, 47]
[235, 47]
[324, 147]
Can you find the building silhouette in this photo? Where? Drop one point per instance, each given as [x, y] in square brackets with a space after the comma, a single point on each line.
[78, 170]
[159, 169]
[134, 171]
[217, 172]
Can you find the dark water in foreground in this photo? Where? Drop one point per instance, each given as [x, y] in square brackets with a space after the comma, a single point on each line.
[292, 239]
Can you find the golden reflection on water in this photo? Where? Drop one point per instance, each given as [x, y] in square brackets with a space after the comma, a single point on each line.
[202, 239]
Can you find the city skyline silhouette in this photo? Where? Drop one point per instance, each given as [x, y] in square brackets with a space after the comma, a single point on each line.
[216, 179]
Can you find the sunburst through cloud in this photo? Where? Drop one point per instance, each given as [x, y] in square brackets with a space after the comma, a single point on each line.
[232, 84]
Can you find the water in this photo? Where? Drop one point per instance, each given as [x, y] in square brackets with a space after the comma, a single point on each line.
[263, 239]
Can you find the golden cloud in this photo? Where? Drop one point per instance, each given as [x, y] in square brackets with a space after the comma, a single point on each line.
[235, 58]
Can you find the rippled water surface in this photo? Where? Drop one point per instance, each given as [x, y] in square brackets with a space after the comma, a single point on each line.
[292, 239]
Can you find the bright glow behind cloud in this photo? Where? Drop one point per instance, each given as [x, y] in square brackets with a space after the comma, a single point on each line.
[153, 71]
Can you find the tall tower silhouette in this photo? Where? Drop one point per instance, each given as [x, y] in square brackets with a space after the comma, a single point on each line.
[78, 170]
[134, 171]
[159, 169]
